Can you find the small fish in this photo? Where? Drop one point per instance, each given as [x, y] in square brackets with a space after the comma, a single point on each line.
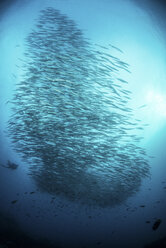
[116, 48]
[7, 102]
[123, 81]
[10, 165]
[142, 106]
[13, 75]
[103, 47]
[13, 202]
[156, 224]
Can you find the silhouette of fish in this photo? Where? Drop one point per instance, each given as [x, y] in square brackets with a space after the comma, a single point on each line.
[10, 165]
[70, 117]
[156, 224]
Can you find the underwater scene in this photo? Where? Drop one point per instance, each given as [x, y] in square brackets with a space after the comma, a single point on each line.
[82, 124]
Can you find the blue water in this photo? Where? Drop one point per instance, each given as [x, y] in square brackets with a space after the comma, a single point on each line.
[71, 224]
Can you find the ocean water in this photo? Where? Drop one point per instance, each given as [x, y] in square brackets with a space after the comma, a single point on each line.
[82, 124]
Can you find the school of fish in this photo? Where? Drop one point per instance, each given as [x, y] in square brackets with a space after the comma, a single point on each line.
[70, 117]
